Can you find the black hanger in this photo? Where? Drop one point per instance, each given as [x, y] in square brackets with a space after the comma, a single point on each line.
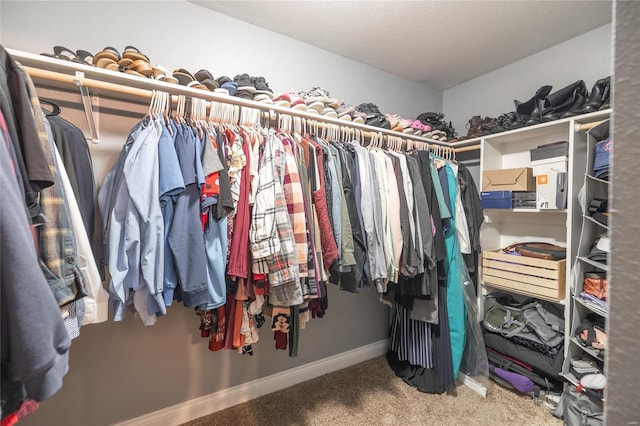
[56, 108]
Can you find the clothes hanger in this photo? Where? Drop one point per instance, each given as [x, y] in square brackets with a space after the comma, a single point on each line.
[56, 108]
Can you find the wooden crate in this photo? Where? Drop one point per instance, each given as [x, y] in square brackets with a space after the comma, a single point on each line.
[540, 278]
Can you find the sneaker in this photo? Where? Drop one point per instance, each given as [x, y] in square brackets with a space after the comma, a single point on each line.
[332, 103]
[330, 112]
[244, 83]
[283, 100]
[262, 86]
[317, 106]
[369, 109]
[263, 97]
[230, 86]
[223, 79]
[244, 94]
[345, 112]
[206, 79]
[394, 120]
[319, 94]
[359, 117]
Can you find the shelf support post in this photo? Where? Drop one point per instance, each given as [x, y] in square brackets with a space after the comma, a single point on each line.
[88, 107]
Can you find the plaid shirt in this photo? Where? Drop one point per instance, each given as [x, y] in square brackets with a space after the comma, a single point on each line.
[57, 243]
[271, 235]
[295, 206]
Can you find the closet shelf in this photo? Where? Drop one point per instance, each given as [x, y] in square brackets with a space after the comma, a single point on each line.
[598, 265]
[593, 352]
[598, 180]
[590, 306]
[540, 131]
[59, 73]
[590, 219]
[523, 293]
[573, 380]
[525, 210]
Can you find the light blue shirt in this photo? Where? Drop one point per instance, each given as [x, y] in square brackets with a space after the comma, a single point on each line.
[134, 230]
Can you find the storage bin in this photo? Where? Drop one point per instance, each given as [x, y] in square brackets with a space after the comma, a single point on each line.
[539, 278]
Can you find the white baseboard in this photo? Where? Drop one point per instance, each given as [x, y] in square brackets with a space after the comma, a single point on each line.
[204, 405]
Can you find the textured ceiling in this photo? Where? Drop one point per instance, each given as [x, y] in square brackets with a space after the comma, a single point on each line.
[440, 43]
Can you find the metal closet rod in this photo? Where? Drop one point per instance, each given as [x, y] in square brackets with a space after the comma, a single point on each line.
[80, 81]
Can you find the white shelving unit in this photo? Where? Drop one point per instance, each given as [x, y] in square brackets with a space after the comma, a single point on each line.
[590, 230]
[563, 227]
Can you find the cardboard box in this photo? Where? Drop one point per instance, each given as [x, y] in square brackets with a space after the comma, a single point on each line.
[520, 179]
[495, 199]
[556, 164]
[540, 278]
[551, 190]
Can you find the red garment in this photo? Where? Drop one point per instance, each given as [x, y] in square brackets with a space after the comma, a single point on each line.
[281, 339]
[239, 263]
[327, 239]
[230, 311]
[216, 340]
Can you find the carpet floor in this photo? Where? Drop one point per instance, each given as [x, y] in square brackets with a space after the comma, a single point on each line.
[369, 393]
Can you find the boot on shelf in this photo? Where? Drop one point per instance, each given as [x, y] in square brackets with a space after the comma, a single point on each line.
[530, 112]
[565, 102]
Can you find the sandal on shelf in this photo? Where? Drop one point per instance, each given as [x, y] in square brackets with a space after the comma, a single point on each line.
[85, 56]
[183, 76]
[133, 72]
[141, 66]
[134, 54]
[206, 78]
[62, 52]
[418, 125]
[125, 62]
[107, 53]
[160, 73]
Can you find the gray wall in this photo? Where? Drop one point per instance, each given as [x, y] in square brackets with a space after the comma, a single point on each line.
[586, 57]
[178, 34]
[123, 370]
[623, 327]
[119, 371]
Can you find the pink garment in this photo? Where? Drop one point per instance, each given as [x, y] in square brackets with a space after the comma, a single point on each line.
[328, 240]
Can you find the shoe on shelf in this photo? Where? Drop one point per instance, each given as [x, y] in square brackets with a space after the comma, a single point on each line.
[107, 53]
[345, 112]
[290, 100]
[230, 86]
[369, 109]
[134, 54]
[206, 78]
[359, 117]
[565, 102]
[283, 100]
[531, 111]
[244, 83]
[262, 86]
[160, 73]
[262, 97]
[329, 112]
[315, 105]
[599, 93]
[183, 76]
[85, 56]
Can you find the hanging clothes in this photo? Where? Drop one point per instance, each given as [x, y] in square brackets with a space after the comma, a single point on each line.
[133, 225]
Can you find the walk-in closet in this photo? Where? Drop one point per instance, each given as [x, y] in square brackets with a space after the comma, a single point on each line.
[319, 212]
